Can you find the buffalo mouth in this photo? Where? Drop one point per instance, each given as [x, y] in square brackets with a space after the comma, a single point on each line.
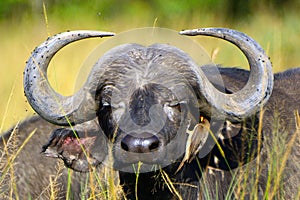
[151, 152]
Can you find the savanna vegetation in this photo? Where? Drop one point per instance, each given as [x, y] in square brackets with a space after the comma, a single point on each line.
[24, 24]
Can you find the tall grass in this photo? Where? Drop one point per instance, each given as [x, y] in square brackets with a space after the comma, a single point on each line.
[104, 183]
[279, 35]
[100, 183]
[244, 184]
[245, 181]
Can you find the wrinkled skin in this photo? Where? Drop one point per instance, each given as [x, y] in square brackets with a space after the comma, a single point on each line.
[279, 110]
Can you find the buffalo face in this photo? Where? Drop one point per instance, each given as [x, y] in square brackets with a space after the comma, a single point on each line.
[145, 116]
[146, 127]
[148, 100]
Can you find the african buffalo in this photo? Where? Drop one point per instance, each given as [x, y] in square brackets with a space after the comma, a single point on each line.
[171, 128]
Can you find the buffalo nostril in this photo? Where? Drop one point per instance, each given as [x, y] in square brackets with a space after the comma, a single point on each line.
[124, 145]
[154, 145]
[143, 143]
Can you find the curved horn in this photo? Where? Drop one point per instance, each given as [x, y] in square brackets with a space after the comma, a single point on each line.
[44, 100]
[260, 83]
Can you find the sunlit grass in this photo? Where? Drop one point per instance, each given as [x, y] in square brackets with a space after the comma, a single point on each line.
[104, 185]
[279, 36]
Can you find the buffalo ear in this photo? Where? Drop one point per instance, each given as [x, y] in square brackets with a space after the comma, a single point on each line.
[238, 145]
[73, 150]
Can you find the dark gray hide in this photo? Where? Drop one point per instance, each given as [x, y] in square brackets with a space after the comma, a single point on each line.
[150, 120]
[32, 171]
[279, 125]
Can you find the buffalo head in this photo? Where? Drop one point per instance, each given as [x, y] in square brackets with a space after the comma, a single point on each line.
[150, 101]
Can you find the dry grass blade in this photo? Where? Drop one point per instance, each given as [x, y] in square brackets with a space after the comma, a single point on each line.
[7, 105]
[285, 157]
[259, 146]
[53, 188]
[297, 118]
[137, 172]
[9, 141]
[11, 150]
[46, 18]
[112, 188]
[215, 53]
[169, 184]
[11, 159]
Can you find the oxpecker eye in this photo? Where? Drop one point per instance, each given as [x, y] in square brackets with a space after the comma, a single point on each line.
[201, 119]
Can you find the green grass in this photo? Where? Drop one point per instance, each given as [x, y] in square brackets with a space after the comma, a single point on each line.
[278, 35]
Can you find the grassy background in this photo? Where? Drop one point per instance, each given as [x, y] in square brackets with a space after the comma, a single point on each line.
[23, 26]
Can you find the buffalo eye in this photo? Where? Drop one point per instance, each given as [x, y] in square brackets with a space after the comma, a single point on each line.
[172, 109]
[105, 96]
[175, 105]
